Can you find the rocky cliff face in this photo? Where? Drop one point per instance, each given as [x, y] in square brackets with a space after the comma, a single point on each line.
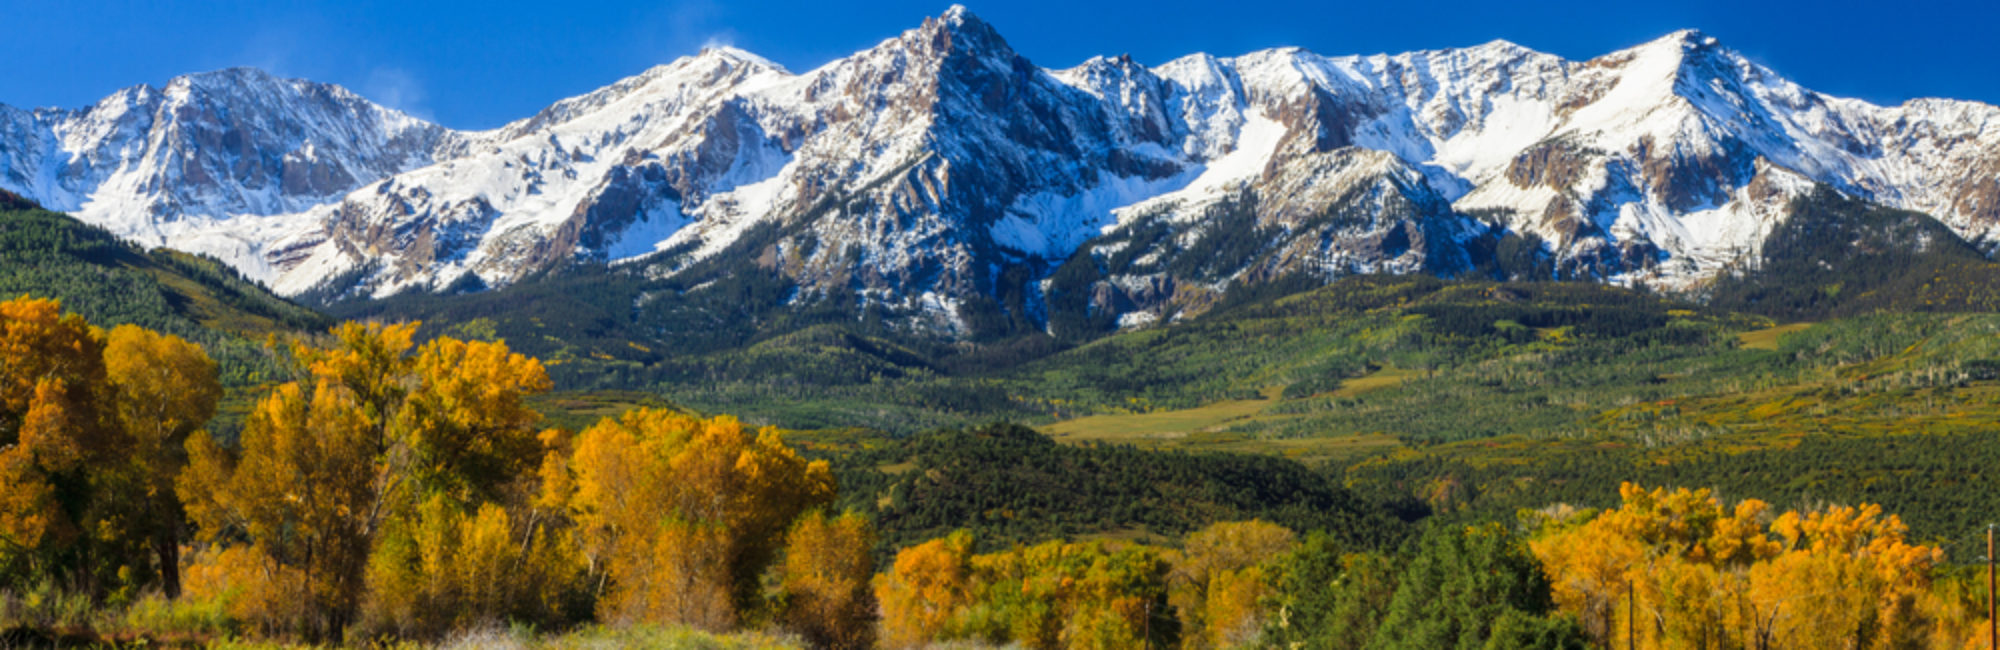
[940, 171]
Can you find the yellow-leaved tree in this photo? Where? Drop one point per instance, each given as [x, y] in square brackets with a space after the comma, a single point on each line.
[91, 426]
[1222, 578]
[167, 390]
[1679, 569]
[825, 579]
[306, 492]
[925, 587]
[1058, 594]
[681, 515]
[339, 465]
[53, 429]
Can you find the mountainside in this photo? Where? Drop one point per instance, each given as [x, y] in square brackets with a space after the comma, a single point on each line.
[948, 182]
[112, 282]
[207, 147]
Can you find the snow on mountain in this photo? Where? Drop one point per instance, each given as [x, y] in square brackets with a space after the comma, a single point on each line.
[940, 171]
[207, 147]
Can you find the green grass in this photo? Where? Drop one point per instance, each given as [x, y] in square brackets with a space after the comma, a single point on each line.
[1378, 380]
[654, 637]
[1767, 338]
[1207, 428]
[1158, 425]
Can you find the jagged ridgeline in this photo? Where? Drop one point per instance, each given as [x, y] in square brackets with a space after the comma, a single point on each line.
[113, 282]
[942, 181]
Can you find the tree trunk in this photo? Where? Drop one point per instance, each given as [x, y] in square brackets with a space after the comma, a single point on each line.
[168, 547]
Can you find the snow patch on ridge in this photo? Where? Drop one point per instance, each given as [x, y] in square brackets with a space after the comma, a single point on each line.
[1256, 142]
[648, 234]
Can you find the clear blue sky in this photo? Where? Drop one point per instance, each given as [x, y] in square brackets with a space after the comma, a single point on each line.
[480, 64]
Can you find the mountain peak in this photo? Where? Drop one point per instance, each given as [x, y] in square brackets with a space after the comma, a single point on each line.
[1503, 48]
[1682, 41]
[739, 55]
[959, 30]
[233, 76]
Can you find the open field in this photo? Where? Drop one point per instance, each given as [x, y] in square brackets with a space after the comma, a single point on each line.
[1767, 338]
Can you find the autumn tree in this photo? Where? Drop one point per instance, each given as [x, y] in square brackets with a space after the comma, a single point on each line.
[336, 463]
[166, 390]
[304, 492]
[471, 569]
[680, 515]
[1222, 577]
[1055, 594]
[825, 580]
[1060, 594]
[925, 587]
[91, 426]
[53, 429]
[1700, 574]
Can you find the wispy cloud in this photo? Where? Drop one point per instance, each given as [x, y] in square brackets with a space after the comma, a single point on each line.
[398, 89]
[272, 48]
[683, 28]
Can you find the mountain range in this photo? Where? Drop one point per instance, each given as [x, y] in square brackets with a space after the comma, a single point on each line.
[940, 173]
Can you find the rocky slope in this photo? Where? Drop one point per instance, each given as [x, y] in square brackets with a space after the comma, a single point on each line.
[207, 147]
[940, 172]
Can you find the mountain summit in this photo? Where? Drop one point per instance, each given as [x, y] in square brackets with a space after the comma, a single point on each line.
[940, 174]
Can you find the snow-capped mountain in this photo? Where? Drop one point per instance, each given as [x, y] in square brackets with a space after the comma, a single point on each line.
[205, 147]
[940, 168]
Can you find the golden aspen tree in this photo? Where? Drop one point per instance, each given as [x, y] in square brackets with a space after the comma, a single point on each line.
[1845, 576]
[167, 389]
[247, 586]
[925, 587]
[336, 466]
[51, 387]
[690, 583]
[470, 429]
[667, 504]
[1700, 575]
[471, 569]
[1117, 597]
[305, 492]
[1218, 584]
[825, 580]
[1055, 594]
[91, 425]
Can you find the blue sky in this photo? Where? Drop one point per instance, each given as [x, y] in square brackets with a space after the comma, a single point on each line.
[480, 64]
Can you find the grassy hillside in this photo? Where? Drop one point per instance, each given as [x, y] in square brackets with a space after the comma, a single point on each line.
[113, 282]
[51, 255]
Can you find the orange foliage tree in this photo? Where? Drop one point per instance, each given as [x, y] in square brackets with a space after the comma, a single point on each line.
[925, 587]
[52, 430]
[1698, 574]
[91, 426]
[1051, 595]
[825, 580]
[681, 514]
[331, 462]
[167, 391]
